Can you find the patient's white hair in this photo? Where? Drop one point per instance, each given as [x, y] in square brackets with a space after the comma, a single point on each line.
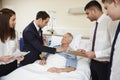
[70, 35]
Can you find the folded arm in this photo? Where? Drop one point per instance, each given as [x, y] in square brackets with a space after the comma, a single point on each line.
[58, 70]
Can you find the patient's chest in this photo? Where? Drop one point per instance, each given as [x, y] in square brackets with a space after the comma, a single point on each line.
[56, 60]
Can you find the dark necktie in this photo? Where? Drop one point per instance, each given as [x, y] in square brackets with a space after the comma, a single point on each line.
[113, 44]
[94, 36]
[40, 34]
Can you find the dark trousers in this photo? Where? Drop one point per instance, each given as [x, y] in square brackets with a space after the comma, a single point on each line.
[29, 58]
[6, 69]
[99, 70]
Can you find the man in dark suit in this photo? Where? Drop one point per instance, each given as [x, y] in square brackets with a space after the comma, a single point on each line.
[33, 39]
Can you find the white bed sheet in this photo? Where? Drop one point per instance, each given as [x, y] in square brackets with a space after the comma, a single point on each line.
[36, 72]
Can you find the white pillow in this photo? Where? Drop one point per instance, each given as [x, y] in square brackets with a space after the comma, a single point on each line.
[55, 40]
[75, 44]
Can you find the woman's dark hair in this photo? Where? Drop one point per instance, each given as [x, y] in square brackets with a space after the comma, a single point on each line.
[93, 3]
[5, 30]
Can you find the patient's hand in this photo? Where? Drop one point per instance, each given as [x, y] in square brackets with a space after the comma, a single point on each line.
[42, 62]
[58, 70]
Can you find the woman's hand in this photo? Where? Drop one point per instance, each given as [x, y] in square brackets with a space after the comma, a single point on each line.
[20, 58]
[6, 59]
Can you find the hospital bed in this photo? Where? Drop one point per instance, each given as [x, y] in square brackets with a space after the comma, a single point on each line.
[34, 72]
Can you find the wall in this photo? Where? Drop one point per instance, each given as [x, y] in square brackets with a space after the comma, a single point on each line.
[58, 9]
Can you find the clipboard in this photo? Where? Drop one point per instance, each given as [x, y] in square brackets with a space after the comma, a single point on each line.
[18, 53]
[77, 53]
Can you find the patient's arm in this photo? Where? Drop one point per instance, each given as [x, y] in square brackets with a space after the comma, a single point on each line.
[58, 70]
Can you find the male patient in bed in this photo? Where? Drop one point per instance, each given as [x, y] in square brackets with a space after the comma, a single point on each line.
[48, 69]
[71, 60]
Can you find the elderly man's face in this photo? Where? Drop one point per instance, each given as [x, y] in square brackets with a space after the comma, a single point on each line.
[66, 39]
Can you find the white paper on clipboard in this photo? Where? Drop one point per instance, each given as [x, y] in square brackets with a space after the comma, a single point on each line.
[19, 53]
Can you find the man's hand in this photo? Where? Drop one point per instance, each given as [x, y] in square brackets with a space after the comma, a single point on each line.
[42, 62]
[90, 54]
[6, 59]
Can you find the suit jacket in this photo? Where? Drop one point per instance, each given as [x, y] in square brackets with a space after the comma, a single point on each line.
[33, 42]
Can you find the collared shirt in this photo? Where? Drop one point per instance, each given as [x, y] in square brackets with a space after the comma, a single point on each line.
[104, 37]
[115, 69]
[71, 60]
[38, 29]
[8, 48]
[36, 26]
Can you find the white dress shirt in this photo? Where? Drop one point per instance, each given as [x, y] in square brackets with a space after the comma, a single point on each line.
[104, 37]
[8, 48]
[115, 69]
[36, 26]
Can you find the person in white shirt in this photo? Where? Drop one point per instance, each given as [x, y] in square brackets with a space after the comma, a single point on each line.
[8, 42]
[100, 41]
[113, 10]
